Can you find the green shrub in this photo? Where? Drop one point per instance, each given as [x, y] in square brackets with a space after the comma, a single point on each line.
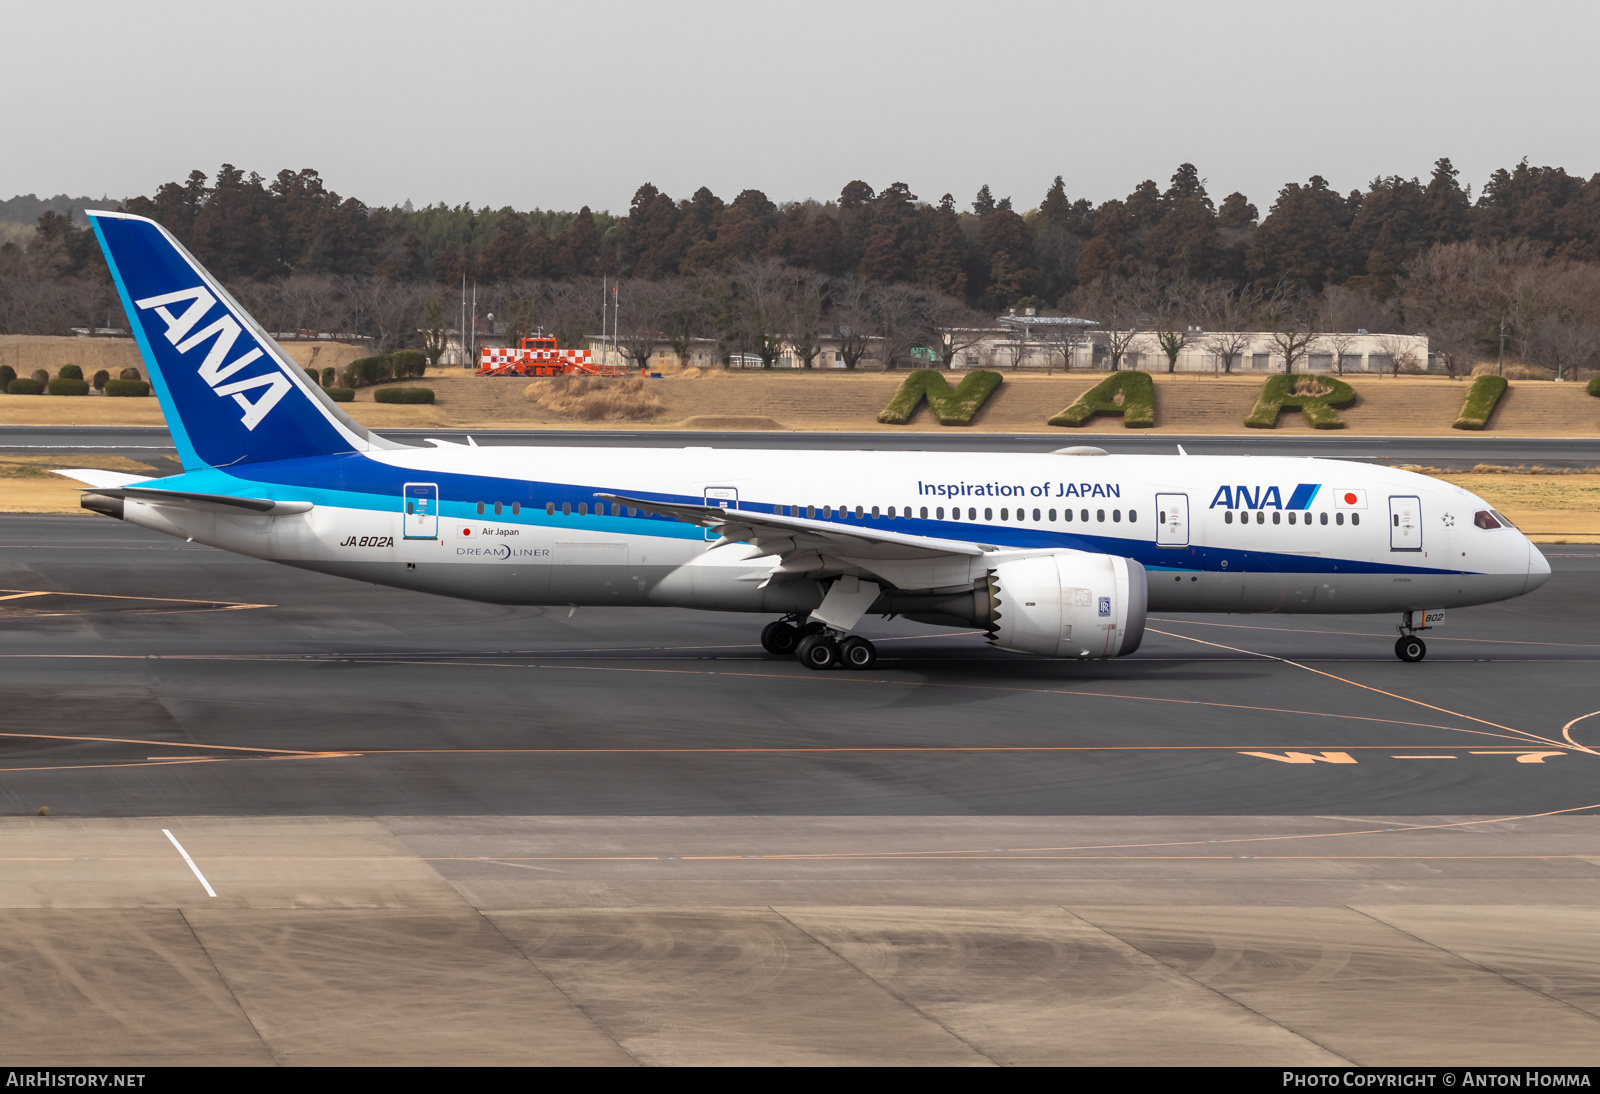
[328, 376]
[70, 372]
[41, 377]
[24, 386]
[1480, 402]
[129, 374]
[314, 376]
[403, 395]
[1593, 387]
[408, 363]
[949, 407]
[1318, 406]
[63, 385]
[7, 374]
[341, 394]
[369, 370]
[1136, 390]
[128, 389]
[100, 379]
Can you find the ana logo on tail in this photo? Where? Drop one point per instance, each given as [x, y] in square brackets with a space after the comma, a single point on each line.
[216, 368]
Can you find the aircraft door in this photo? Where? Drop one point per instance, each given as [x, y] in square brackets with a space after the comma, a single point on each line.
[1172, 515]
[1405, 524]
[420, 505]
[727, 497]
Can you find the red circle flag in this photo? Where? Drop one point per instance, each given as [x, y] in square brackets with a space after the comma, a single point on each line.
[466, 531]
[1350, 499]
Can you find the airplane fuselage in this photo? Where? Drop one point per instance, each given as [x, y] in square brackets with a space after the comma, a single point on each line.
[524, 525]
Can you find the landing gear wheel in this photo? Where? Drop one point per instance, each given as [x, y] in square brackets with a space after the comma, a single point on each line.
[1410, 648]
[857, 653]
[779, 638]
[818, 651]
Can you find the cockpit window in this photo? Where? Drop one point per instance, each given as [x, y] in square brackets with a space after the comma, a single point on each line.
[1483, 518]
[1502, 518]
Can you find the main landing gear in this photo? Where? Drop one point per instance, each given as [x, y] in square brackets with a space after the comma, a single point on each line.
[816, 646]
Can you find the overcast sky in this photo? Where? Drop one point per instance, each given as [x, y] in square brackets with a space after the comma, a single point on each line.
[558, 105]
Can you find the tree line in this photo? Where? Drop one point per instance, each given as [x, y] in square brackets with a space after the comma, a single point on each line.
[1403, 254]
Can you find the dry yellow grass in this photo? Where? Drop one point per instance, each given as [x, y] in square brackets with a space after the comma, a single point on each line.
[595, 398]
[28, 486]
[1549, 507]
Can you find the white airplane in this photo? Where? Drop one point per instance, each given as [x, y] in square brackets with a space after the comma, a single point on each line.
[1059, 554]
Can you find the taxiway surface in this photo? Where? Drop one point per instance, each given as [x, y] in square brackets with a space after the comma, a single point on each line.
[442, 832]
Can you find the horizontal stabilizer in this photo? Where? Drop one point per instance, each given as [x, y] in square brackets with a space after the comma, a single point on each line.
[93, 476]
[223, 502]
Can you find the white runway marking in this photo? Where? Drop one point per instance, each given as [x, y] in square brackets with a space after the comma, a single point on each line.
[209, 890]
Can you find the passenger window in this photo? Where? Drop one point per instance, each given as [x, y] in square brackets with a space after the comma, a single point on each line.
[1100, 515]
[925, 512]
[955, 514]
[1066, 515]
[891, 512]
[1261, 517]
[1005, 514]
[874, 512]
[1227, 517]
[1116, 516]
[1338, 518]
[583, 508]
[1355, 518]
[827, 512]
[859, 513]
[988, 514]
[632, 512]
[1276, 516]
[410, 508]
[811, 512]
[1036, 516]
[972, 513]
[1132, 516]
[550, 508]
[480, 508]
[516, 508]
[1324, 518]
[1083, 514]
[566, 508]
[1485, 519]
[497, 509]
[1052, 516]
[1291, 517]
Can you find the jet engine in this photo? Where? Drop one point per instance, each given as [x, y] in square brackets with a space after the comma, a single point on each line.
[1068, 604]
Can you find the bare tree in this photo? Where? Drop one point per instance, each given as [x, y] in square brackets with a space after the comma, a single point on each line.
[950, 326]
[1120, 306]
[895, 311]
[1058, 340]
[1226, 316]
[852, 319]
[569, 312]
[1292, 326]
[1401, 351]
[434, 336]
[762, 288]
[641, 319]
[802, 318]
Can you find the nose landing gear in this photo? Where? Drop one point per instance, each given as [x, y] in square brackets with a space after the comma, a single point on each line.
[1409, 647]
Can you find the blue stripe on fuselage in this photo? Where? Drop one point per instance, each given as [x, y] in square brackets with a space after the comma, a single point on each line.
[1303, 496]
[355, 481]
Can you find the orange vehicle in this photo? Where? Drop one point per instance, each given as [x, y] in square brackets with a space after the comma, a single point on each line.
[541, 356]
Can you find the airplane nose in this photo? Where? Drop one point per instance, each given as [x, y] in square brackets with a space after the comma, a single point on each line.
[1538, 568]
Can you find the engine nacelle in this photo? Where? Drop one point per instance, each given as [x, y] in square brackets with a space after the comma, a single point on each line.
[1068, 604]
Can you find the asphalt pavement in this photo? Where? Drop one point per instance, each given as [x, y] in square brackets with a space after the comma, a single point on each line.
[395, 702]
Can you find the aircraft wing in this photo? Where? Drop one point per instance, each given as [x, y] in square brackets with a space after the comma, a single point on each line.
[815, 548]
